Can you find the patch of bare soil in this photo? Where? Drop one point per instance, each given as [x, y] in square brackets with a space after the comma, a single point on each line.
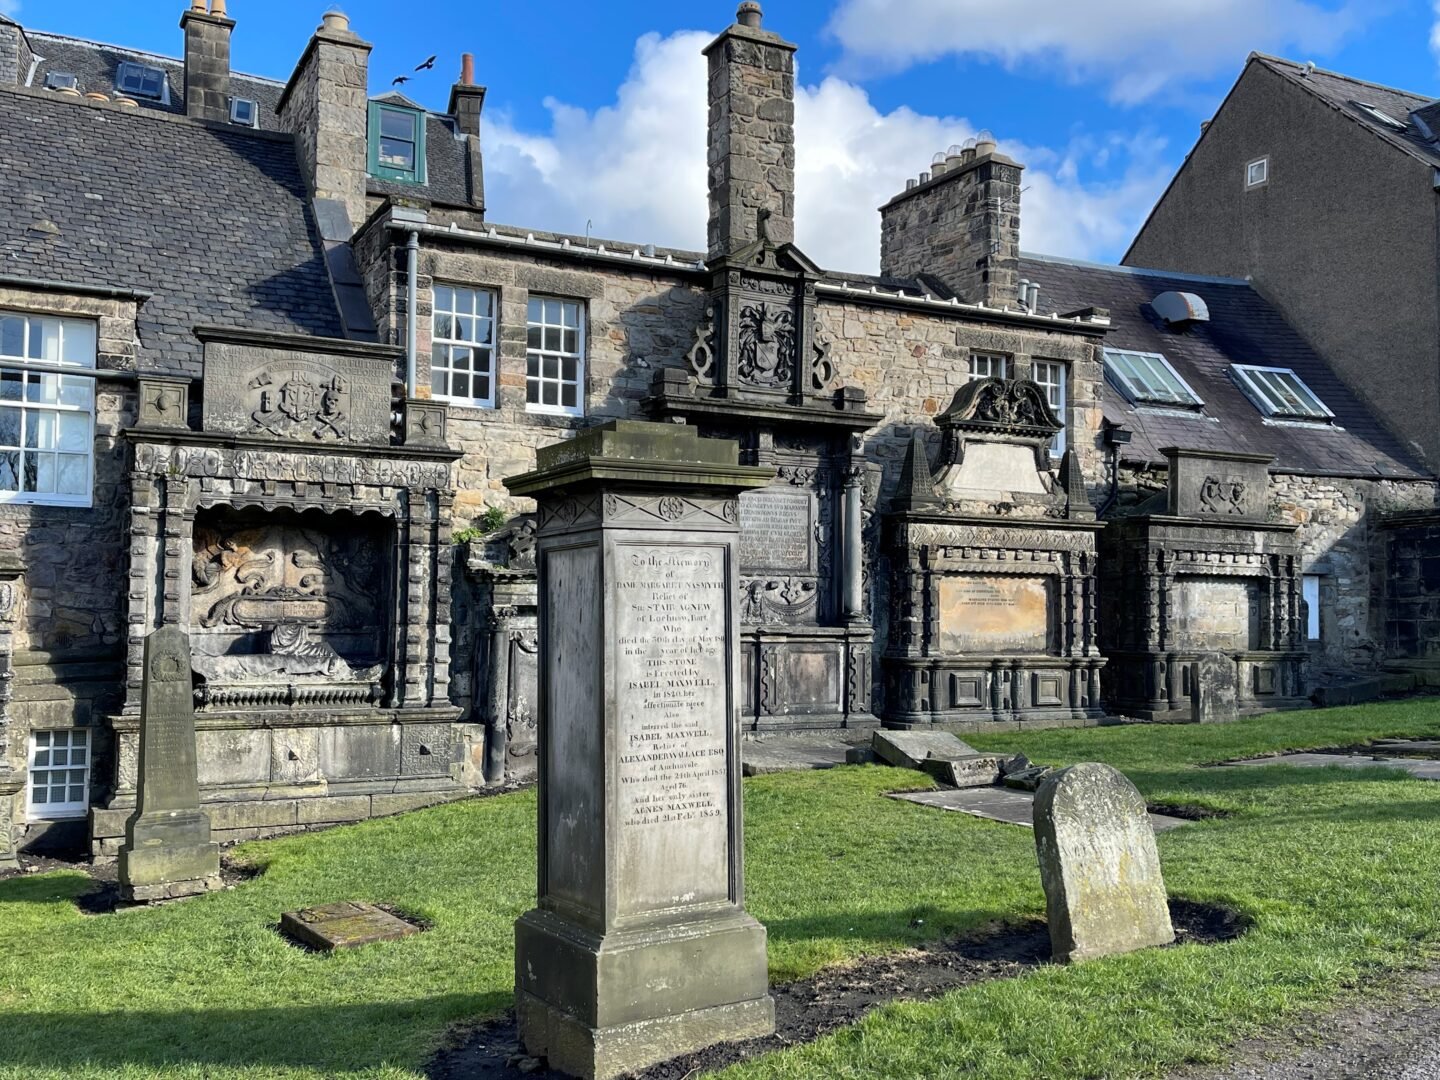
[835, 998]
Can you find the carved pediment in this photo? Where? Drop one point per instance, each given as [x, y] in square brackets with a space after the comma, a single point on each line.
[1003, 407]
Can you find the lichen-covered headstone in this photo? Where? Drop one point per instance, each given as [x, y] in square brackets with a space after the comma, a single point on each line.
[1214, 694]
[167, 851]
[1104, 893]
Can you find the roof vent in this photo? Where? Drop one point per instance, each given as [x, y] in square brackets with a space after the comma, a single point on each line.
[1180, 309]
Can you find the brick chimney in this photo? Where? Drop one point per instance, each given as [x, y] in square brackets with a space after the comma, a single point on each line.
[207, 60]
[466, 99]
[325, 105]
[15, 54]
[752, 134]
[959, 222]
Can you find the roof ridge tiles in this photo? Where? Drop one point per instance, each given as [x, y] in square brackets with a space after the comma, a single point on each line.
[1274, 60]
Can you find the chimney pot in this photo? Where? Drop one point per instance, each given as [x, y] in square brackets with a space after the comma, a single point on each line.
[217, 8]
[467, 69]
[750, 15]
[335, 21]
[985, 144]
[198, 5]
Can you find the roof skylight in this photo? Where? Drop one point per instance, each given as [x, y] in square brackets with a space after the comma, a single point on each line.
[1148, 379]
[1380, 116]
[140, 80]
[1279, 392]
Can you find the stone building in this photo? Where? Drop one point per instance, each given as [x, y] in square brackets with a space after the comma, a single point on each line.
[277, 356]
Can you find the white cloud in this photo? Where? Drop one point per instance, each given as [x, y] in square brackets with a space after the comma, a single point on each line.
[1435, 33]
[636, 169]
[10, 7]
[1134, 48]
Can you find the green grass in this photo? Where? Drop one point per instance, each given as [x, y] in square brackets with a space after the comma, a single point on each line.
[1339, 869]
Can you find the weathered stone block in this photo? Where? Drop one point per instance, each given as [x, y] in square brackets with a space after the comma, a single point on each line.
[908, 749]
[975, 770]
[345, 925]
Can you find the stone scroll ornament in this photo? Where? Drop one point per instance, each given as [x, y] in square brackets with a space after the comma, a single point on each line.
[1104, 893]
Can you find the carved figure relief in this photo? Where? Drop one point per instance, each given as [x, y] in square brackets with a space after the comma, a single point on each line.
[1223, 496]
[767, 344]
[301, 405]
[777, 600]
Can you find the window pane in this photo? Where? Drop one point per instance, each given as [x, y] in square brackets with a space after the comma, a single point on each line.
[572, 314]
[569, 368]
[397, 125]
[73, 474]
[42, 389]
[571, 343]
[40, 430]
[535, 310]
[549, 394]
[9, 427]
[444, 325]
[12, 335]
[534, 338]
[460, 359]
[76, 391]
[437, 381]
[9, 470]
[444, 298]
[480, 386]
[395, 154]
[532, 392]
[484, 302]
[460, 387]
[552, 312]
[74, 432]
[10, 385]
[550, 367]
[79, 343]
[40, 477]
[567, 396]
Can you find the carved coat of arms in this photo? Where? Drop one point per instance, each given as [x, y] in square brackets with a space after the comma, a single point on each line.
[301, 404]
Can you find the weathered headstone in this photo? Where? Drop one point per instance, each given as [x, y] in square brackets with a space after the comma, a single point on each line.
[1104, 893]
[907, 749]
[345, 925]
[1214, 694]
[640, 948]
[971, 770]
[167, 851]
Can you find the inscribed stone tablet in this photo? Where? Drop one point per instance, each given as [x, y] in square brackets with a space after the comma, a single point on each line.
[777, 530]
[1217, 613]
[673, 701]
[994, 613]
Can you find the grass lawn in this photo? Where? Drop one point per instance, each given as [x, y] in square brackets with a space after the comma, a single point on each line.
[1339, 869]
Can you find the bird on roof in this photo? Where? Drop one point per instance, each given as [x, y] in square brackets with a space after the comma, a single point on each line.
[427, 65]
[400, 80]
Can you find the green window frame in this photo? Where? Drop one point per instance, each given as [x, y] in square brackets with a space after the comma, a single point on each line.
[392, 129]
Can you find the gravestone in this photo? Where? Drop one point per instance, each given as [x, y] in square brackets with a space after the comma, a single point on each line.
[346, 925]
[1214, 693]
[1104, 893]
[167, 851]
[639, 948]
[907, 749]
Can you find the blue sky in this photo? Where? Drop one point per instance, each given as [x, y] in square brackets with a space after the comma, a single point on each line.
[595, 110]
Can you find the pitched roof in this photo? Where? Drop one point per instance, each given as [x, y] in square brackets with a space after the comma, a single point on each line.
[452, 173]
[94, 64]
[214, 220]
[1342, 93]
[1243, 329]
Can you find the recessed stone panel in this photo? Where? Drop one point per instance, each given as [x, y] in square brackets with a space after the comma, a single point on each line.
[967, 690]
[777, 530]
[994, 613]
[1217, 613]
[810, 676]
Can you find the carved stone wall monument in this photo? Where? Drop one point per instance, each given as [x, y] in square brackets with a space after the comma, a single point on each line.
[1203, 580]
[1104, 893]
[168, 851]
[639, 948]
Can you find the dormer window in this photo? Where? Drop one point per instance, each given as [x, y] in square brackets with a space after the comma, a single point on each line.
[397, 143]
[1279, 392]
[61, 80]
[244, 112]
[140, 80]
[1148, 379]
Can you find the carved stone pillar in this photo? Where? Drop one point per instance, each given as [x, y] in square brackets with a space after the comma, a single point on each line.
[12, 756]
[497, 695]
[853, 608]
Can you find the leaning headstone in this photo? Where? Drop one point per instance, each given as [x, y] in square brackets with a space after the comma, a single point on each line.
[1104, 893]
[640, 948]
[167, 851]
[907, 749]
[1214, 695]
[970, 771]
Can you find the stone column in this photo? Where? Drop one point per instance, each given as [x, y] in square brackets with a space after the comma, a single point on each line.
[854, 599]
[12, 756]
[497, 695]
[639, 948]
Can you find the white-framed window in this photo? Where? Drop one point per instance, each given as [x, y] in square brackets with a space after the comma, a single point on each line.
[1257, 172]
[462, 353]
[555, 356]
[142, 80]
[1051, 376]
[1279, 392]
[1148, 379]
[1310, 591]
[989, 366]
[244, 112]
[47, 409]
[59, 774]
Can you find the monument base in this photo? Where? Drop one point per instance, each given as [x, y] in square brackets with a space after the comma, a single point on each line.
[168, 855]
[600, 1007]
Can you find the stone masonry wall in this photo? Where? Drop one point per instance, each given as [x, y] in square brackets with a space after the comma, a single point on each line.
[1412, 616]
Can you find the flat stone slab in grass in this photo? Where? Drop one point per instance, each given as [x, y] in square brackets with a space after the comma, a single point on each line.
[1004, 805]
[792, 754]
[344, 925]
[1416, 767]
[907, 749]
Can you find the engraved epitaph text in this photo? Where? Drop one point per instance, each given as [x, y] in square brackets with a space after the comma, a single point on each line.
[984, 613]
[777, 530]
[673, 735]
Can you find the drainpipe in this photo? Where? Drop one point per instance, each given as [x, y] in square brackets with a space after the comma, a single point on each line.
[412, 304]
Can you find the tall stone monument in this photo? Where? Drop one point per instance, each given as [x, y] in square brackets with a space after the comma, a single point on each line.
[1104, 893]
[167, 850]
[639, 948]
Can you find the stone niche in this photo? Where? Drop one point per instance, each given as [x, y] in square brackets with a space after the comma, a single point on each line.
[760, 373]
[302, 539]
[993, 609]
[1203, 576]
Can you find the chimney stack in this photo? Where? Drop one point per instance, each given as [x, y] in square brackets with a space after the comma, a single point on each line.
[325, 105]
[959, 224]
[466, 99]
[207, 60]
[752, 134]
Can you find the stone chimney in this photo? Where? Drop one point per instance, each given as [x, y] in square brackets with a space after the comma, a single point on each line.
[466, 99]
[207, 60]
[325, 105]
[752, 134]
[15, 54]
[959, 222]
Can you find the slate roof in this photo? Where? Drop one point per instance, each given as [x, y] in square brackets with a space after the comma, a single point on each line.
[449, 175]
[1243, 328]
[215, 221]
[1341, 92]
[95, 64]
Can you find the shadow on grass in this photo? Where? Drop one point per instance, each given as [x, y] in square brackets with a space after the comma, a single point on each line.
[350, 1038]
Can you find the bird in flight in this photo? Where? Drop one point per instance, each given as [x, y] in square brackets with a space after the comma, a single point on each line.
[400, 81]
[427, 65]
